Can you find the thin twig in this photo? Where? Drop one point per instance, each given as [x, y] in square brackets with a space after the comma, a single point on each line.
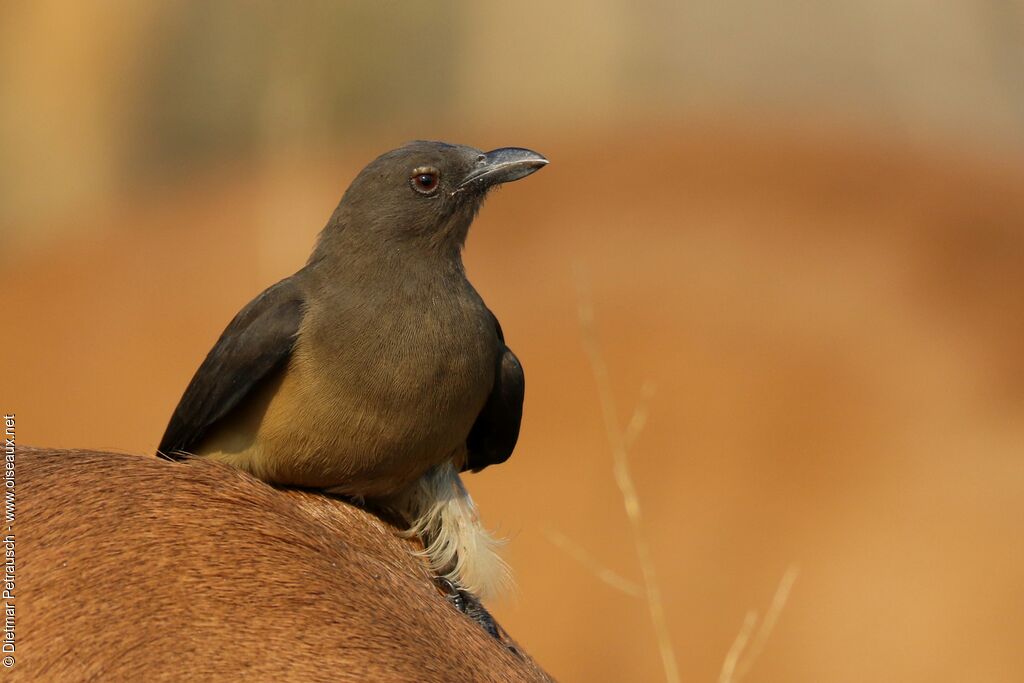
[732, 659]
[577, 552]
[624, 479]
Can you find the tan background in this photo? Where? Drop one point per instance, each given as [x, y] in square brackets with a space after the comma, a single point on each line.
[803, 223]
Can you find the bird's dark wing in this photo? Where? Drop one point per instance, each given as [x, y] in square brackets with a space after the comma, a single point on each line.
[257, 341]
[496, 430]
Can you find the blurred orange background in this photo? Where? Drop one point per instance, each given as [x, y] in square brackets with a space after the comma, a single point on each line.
[802, 224]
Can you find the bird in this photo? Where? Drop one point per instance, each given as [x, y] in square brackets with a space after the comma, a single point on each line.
[376, 371]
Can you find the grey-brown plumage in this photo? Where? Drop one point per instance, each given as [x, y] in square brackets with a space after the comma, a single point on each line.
[377, 363]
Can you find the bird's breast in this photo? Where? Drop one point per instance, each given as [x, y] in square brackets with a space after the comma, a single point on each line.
[370, 401]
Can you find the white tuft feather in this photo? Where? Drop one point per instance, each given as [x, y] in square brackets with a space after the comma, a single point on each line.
[456, 545]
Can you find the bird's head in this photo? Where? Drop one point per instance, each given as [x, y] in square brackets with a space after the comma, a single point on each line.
[426, 193]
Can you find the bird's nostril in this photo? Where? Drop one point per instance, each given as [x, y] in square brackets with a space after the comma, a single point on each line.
[481, 159]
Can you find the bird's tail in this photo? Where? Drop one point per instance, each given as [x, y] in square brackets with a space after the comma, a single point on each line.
[456, 545]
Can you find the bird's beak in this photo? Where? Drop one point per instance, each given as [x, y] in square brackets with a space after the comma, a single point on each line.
[503, 166]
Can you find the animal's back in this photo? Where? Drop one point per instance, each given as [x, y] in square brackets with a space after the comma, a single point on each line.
[133, 568]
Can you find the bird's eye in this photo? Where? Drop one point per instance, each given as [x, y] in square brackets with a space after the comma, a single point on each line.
[424, 180]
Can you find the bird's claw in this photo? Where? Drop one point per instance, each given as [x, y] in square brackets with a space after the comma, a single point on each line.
[468, 604]
[453, 593]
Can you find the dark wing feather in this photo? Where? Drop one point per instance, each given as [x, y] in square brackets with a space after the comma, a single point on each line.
[256, 342]
[496, 430]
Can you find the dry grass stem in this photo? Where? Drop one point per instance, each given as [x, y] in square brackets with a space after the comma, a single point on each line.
[770, 618]
[639, 419]
[736, 666]
[732, 659]
[606, 575]
[624, 479]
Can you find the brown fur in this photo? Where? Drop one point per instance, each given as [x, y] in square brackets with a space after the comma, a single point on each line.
[133, 568]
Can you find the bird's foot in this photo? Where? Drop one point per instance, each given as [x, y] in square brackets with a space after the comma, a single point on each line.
[468, 604]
